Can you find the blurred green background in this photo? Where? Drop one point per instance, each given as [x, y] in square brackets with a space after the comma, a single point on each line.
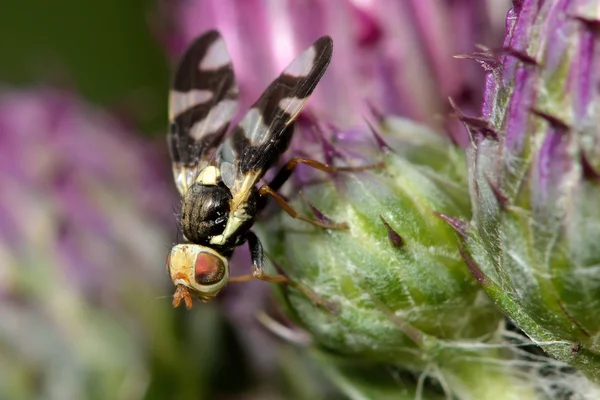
[108, 51]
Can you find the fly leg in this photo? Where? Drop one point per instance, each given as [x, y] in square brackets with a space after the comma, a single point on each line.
[258, 272]
[266, 190]
[283, 175]
[286, 171]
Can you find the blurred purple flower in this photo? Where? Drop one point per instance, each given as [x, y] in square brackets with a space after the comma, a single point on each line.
[83, 209]
[393, 55]
[75, 179]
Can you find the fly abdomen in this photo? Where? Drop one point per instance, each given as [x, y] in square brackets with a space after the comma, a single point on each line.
[204, 212]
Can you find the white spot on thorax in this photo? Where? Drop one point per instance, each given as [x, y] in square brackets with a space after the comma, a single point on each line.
[216, 56]
[208, 176]
[184, 176]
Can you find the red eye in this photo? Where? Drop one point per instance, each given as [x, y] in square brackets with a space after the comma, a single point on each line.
[209, 269]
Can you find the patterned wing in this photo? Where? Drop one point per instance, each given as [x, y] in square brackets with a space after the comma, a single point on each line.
[202, 101]
[262, 134]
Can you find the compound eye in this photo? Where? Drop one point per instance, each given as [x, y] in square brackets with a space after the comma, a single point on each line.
[209, 269]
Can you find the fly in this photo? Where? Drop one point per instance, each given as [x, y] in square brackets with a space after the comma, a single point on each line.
[216, 174]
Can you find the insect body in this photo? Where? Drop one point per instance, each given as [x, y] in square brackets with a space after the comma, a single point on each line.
[216, 175]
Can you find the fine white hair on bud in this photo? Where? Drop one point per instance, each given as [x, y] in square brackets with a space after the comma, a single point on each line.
[535, 185]
[398, 292]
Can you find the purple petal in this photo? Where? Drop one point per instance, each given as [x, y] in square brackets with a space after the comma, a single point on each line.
[394, 55]
[75, 181]
[552, 170]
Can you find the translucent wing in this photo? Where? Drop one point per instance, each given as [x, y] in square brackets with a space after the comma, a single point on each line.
[202, 101]
[262, 134]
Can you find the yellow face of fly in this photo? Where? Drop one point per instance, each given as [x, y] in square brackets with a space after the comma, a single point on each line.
[196, 271]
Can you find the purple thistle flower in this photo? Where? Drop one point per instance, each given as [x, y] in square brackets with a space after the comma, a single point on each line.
[535, 186]
[85, 219]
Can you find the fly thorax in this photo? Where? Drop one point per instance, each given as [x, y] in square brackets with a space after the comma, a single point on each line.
[240, 220]
[204, 211]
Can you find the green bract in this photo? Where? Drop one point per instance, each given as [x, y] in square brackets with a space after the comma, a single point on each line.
[366, 276]
[393, 288]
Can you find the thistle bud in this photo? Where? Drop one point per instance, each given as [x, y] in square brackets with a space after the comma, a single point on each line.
[534, 241]
[392, 288]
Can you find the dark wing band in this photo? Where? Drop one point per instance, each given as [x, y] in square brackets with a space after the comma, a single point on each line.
[202, 101]
[262, 136]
